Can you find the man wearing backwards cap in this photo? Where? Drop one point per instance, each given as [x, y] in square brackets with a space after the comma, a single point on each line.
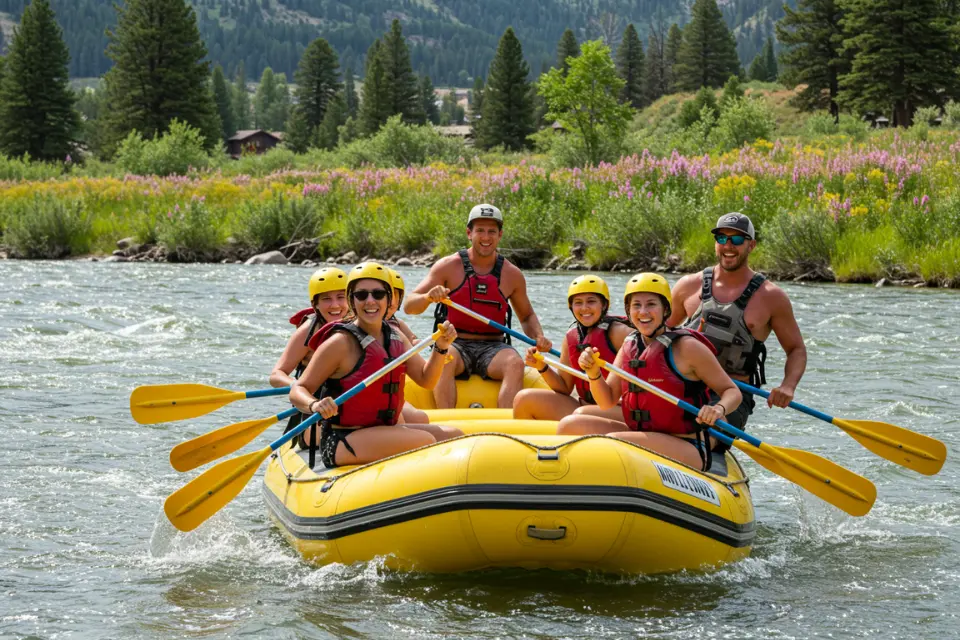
[481, 279]
[737, 309]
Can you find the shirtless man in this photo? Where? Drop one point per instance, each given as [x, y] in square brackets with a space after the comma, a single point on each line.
[737, 309]
[481, 279]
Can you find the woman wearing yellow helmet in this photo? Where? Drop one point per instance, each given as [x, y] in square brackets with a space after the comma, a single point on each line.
[588, 298]
[366, 427]
[681, 362]
[328, 303]
[398, 290]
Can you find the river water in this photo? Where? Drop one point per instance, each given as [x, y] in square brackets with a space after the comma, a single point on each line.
[84, 551]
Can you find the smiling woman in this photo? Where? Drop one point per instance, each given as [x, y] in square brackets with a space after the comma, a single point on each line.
[366, 427]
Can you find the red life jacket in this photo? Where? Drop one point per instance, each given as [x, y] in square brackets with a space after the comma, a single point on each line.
[598, 337]
[644, 411]
[380, 403]
[480, 294]
[297, 319]
[301, 316]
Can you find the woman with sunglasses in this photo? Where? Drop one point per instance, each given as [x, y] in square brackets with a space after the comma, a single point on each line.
[367, 427]
[588, 298]
[681, 362]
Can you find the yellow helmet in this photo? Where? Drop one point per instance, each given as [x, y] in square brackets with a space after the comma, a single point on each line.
[396, 280]
[370, 270]
[588, 283]
[326, 280]
[648, 283]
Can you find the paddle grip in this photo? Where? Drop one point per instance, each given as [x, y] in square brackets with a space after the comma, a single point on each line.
[793, 405]
[496, 325]
[343, 397]
[266, 393]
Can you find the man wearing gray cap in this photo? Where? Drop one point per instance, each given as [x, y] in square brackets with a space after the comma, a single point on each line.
[482, 280]
[737, 309]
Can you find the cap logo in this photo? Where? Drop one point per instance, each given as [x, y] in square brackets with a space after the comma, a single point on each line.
[732, 219]
[486, 211]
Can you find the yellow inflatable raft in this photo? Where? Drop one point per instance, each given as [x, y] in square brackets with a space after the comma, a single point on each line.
[501, 500]
[474, 392]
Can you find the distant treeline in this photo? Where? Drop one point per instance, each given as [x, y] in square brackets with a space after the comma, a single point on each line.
[451, 46]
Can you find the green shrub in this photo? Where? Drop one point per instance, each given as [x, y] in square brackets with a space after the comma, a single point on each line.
[534, 226]
[854, 127]
[48, 228]
[276, 159]
[26, 169]
[692, 110]
[569, 150]
[862, 254]
[176, 152]
[819, 125]
[800, 243]
[743, 120]
[951, 111]
[278, 221]
[926, 115]
[190, 233]
[397, 145]
[640, 229]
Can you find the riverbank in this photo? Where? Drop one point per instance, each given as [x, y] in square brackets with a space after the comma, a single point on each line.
[887, 208]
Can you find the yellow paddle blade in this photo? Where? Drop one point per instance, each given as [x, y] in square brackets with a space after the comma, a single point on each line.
[216, 444]
[155, 403]
[907, 448]
[206, 494]
[827, 480]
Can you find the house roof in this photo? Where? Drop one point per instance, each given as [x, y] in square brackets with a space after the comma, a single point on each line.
[240, 136]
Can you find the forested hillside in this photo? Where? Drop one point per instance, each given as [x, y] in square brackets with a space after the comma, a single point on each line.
[451, 40]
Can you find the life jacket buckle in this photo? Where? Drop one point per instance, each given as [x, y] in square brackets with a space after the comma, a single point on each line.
[391, 387]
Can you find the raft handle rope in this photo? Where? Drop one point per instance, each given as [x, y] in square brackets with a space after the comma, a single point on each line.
[544, 452]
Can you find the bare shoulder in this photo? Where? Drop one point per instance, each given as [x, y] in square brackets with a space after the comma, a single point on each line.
[511, 277]
[773, 296]
[687, 284]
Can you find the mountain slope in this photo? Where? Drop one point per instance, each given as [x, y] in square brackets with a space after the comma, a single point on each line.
[451, 40]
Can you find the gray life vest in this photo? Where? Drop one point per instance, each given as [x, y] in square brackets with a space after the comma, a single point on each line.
[738, 351]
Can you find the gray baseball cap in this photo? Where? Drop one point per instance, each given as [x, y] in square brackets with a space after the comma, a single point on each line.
[736, 222]
[485, 211]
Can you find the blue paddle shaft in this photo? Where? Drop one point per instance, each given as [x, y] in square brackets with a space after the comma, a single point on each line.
[286, 414]
[686, 406]
[266, 393]
[793, 405]
[373, 377]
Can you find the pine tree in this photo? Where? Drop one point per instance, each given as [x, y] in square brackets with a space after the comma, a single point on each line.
[403, 95]
[428, 101]
[221, 95]
[507, 117]
[328, 133]
[476, 97]
[674, 43]
[350, 97]
[764, 65]
[159, 73]
[318, 80]
[37, 114]
[708, 54]
[264, 98]
[770, 61]
[567, 48]
[279, 111]
[902, 56]
[630, 66]
[241, 100]
[655, 81]
[813, 39]
[374, 107]
[299, 136]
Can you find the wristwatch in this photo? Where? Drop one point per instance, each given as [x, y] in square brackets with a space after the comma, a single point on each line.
[442, 352]
[544, 370]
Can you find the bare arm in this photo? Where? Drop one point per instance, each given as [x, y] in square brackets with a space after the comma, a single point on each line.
[685, 287]
[427, 372]
[292, 355]
[559, 381]
[784, 325]
[606, 393]
[695, 361]
[418, 300]
[325, 361]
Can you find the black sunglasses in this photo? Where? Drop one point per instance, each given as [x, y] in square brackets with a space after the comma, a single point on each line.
[363, 294]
